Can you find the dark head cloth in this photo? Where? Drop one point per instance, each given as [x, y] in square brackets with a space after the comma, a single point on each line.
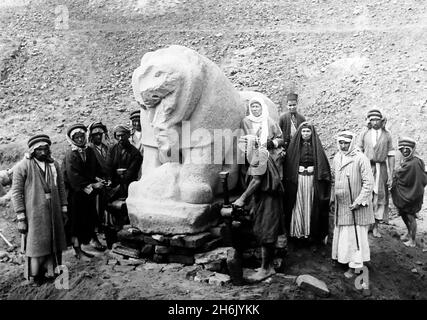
[135, 114]
[406, 142]
[374, 113]
[292, 97]
[39, 138]
[96, 125]
[121, 129]
[76, 126]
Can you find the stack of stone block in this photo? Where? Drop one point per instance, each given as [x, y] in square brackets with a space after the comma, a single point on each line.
[169, 248]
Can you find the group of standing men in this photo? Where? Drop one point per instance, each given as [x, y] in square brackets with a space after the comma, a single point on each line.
[61, 205]
[298, 192]
[291, 192]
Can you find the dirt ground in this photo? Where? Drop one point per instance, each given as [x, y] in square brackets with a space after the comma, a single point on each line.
[391, 274]
[341, 57]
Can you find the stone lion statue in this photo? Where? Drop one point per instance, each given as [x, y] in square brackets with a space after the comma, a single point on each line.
[186, 103]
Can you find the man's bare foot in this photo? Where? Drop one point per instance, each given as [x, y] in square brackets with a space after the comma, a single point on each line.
[349, 274]
[261, 274]
[404, 237]
[376, 233]
[410, 243]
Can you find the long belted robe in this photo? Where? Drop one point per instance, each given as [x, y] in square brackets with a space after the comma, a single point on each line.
[46, 233]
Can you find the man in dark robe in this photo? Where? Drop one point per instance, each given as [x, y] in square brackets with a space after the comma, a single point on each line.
[81, 173]
[39, 200]
[98, 139]
[407, 189]
[265, 192]
[291, 120]
[125, 157]
[305, 158]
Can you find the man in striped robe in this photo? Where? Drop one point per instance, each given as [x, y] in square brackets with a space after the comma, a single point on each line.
[352, 196]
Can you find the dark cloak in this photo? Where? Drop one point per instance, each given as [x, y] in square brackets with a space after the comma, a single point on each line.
[319, 224]
[78, 174]
[267, 205]
[408, 185]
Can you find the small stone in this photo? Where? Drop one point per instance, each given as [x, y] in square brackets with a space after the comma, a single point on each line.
[309, 282]
[414, 270]
[215, 255]
[211, 245]
[131, 262]
[3, 254]
[172, 266]
[162, 249]
[420, 263]
[197, 240]
[112, 262]
[153, 266]
[219, 279]
[177, 240]
[161, 239]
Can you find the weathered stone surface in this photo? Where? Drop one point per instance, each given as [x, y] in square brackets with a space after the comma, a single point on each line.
[177, 240]
[160, 258]
[203, 276]
[163, 240]
[197, 240]
[175, 195]
[219, 279]
[150, 240]
[192, 271]
[162, 249]
[177, 258]
[211, 245]
[112, 262]
[126, 251]
[218, 254]
[309, 282]
[172, 266]
[3, 254]
[213, 266]
[147, 250]
[131, 262]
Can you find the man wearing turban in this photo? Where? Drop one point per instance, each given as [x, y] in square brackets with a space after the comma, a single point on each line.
[407, 190]
[376, 143]
[40, 202]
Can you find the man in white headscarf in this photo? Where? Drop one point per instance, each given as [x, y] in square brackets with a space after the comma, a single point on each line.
[269, 135]
[352, 196]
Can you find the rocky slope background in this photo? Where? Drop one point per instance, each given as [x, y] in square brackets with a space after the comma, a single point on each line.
[341, 57]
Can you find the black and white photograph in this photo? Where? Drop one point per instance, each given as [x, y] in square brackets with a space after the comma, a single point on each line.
[224, 152]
